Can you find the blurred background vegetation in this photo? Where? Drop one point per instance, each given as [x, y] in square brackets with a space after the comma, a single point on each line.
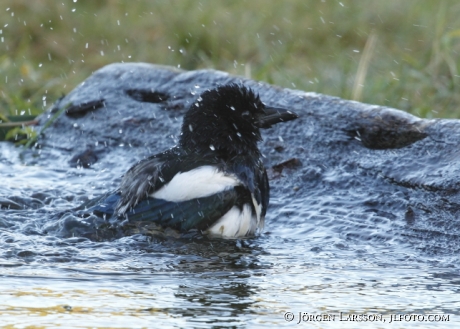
[401, 54]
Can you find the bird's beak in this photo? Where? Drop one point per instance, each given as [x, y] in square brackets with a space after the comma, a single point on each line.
[274, 115]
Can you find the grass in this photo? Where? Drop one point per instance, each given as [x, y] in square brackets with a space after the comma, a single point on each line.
[401, 54]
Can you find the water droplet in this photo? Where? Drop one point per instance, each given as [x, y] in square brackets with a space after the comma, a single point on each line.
[212, 147]
[190, 127]
[23, 112]
[40, 65]
[73, 10]
[232, 108]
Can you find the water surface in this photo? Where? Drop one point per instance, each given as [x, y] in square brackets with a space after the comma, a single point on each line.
[324, 255]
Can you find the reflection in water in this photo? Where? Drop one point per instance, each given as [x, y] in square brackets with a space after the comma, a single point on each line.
[206, 281]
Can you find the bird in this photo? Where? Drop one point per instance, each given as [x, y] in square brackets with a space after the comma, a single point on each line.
[213, 180]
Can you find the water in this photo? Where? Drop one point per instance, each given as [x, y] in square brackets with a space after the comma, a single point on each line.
[321, 256]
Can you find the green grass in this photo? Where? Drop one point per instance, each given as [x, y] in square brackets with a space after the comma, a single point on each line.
[47, 47]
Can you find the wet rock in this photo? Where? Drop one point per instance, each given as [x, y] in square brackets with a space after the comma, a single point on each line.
[291, 163]
[380, 129]
[146, 95]
[80, 110]
[85, 159]
[276, 170]
[370, 172]
[9, 204]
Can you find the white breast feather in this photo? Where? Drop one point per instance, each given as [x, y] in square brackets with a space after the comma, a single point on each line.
[197, 183]
[235, 223]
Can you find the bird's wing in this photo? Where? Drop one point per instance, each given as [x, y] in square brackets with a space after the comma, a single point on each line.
[185, 192]
[153, 173]
[198, 213]
[251, 172]
[139, 180]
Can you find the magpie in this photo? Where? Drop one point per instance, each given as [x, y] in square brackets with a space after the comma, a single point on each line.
[214, 180]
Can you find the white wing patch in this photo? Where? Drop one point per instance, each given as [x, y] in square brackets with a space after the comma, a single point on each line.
[197, 183]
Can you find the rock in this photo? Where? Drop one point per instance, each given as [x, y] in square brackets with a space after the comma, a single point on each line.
[369, 172]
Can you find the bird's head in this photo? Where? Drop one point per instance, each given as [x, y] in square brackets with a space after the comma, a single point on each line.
[227, 120]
